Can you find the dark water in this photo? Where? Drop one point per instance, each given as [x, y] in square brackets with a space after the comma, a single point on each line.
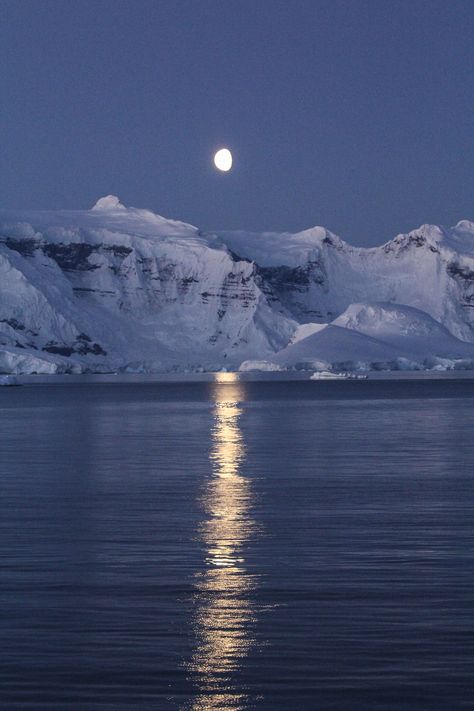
[201, 546]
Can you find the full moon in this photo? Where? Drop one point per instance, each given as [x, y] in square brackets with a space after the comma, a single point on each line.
[223, 159]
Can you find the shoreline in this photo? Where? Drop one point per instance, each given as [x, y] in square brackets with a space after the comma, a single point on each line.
[228, 377]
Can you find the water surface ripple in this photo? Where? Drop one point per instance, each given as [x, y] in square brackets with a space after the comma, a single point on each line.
[237, 545]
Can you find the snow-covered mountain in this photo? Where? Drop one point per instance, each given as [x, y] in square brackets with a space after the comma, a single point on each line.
[378, 336]
[116, 288]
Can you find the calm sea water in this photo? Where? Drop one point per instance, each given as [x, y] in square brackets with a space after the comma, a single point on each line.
[237, 545]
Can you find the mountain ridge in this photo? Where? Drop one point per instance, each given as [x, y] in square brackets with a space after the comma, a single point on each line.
[117, 288]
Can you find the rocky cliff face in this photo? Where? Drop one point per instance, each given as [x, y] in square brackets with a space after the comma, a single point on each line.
[429, 268]
[114, 288]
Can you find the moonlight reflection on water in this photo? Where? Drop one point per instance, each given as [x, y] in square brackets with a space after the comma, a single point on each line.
[225, 611]
[237, 545]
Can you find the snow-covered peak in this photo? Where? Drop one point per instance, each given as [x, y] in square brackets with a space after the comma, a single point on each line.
[383, 319]
[459, 238]
[108, 221]
[109, 202]
[110, 214]
[271, 249]
[427, 236]
[465, 226]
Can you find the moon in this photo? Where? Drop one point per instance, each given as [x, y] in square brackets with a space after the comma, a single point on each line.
[223, 160]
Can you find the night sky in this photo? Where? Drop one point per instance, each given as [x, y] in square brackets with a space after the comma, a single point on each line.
[356, 115]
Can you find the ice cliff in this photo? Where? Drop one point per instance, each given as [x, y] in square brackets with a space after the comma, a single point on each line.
[116, 288]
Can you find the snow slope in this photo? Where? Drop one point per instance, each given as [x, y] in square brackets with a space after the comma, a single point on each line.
[395, 324]
[116, 288]
[338, 348]
[378, 336]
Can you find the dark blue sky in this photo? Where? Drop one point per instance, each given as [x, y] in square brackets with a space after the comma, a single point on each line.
[356, 115]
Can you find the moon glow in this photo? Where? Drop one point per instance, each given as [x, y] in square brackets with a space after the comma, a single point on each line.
[223, 160]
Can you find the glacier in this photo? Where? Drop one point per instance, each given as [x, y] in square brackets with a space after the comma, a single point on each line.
[122, 289]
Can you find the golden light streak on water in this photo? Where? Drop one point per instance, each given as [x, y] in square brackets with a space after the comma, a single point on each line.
[225, 612]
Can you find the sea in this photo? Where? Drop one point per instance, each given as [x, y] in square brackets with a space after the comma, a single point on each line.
[237, 542]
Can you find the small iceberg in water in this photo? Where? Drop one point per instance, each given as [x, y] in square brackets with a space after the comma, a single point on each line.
[327, 375]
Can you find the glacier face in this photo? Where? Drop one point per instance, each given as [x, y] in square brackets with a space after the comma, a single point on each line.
[116, 288]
